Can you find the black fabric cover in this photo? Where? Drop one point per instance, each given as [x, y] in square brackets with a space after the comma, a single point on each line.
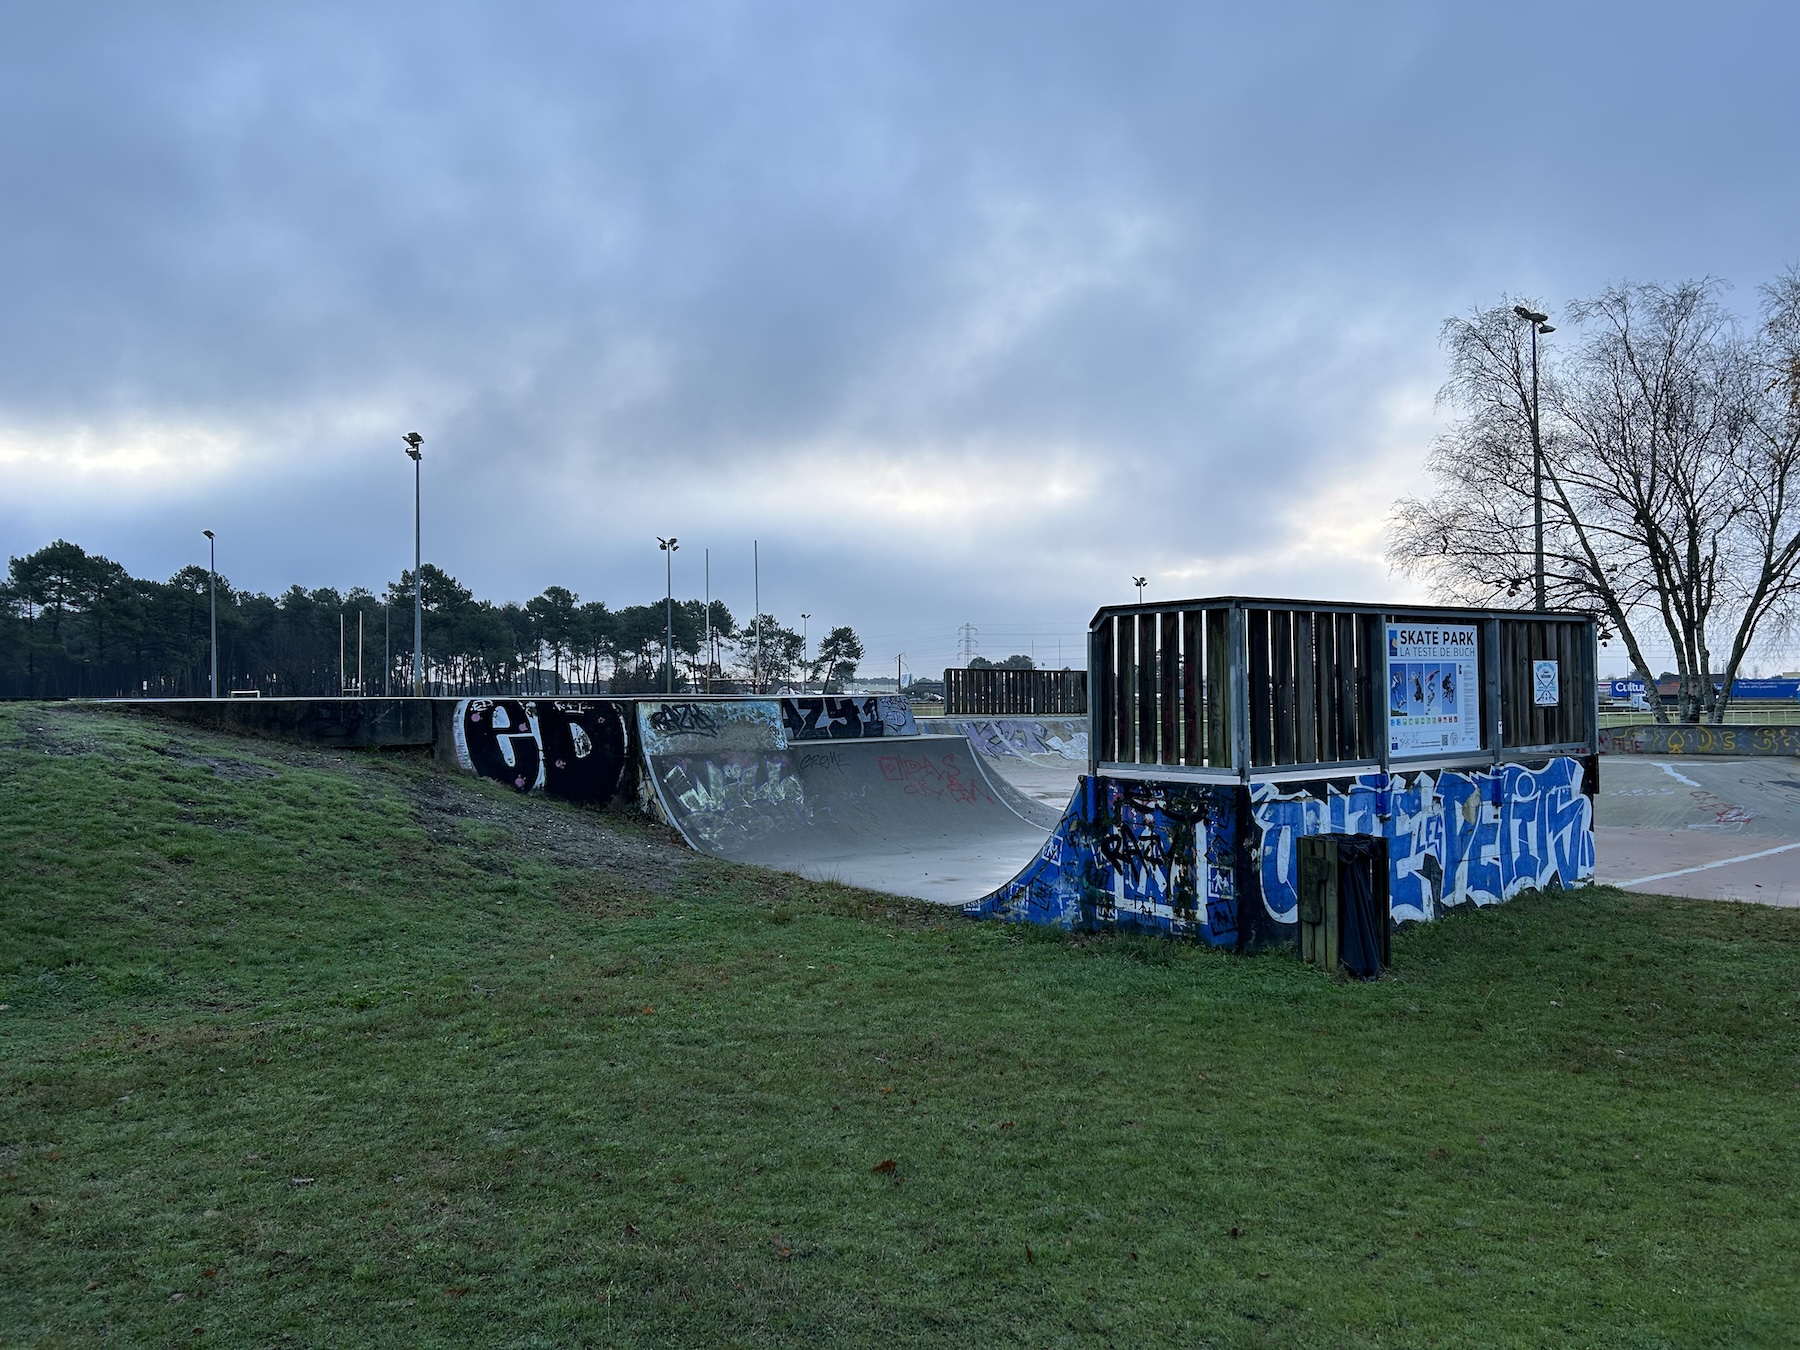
[1359, 943]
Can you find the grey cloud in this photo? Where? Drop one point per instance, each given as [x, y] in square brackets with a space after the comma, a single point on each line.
[612, 252]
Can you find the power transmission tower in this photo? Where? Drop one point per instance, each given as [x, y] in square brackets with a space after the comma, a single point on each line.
[971, 641]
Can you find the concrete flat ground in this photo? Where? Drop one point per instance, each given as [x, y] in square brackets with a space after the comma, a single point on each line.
[1712, 829]
[1051, 785]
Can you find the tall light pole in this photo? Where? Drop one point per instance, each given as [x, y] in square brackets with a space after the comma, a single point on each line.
[415, 444]
[670, 547]
[212, 573]
[803, 620]
[1540, 323]
[1140, 583]
[706, 554]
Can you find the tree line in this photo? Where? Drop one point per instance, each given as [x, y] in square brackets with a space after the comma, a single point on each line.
[1669, 463]
[75, 624]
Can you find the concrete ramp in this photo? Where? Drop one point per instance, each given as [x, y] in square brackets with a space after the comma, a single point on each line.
[906, 814]
[1040, 758]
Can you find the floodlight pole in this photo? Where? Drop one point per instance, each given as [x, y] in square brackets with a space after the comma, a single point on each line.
[1540, 323]
[803, 640]
[706, 554]
[756, 608]
[415, 449]
[212, 574]
[669, 547]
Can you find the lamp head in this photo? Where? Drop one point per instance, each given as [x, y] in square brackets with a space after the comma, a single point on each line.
[414, 444]
[1530, 315]
[207, 533]
[1545, 328]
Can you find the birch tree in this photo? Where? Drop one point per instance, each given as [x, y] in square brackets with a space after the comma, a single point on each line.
[1671, 446]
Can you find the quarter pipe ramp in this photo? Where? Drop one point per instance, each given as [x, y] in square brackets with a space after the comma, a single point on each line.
[907, 814]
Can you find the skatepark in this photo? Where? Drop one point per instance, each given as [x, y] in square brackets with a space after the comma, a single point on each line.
[1221, 734]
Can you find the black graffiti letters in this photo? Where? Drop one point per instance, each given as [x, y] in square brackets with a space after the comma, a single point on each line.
[572, 749]
[818, 719]
[687, 719]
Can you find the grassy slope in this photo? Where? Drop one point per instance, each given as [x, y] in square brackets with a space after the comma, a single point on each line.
[541, 1104]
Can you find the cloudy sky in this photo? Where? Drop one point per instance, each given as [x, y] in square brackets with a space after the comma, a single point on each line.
[967, 312]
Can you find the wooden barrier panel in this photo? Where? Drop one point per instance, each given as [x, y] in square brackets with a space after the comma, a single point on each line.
[998, 691]
[1247, 685]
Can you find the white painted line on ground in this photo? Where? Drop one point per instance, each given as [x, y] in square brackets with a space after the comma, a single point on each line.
[1703, 867]
[1676, 774]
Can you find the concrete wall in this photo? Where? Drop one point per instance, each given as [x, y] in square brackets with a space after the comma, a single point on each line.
[350, 723]
[1219, 863]
[1682, 738]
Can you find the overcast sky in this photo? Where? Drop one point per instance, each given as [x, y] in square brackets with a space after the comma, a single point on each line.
[968, 312]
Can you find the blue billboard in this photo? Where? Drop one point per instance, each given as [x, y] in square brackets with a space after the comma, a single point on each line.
[1787, 688]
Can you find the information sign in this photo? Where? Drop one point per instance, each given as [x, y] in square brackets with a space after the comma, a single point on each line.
[1434, 689]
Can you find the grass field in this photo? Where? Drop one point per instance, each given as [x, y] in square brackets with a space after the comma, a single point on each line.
[308, 1049]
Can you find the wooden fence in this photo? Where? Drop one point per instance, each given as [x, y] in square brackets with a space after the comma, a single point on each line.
[997, 691]
[1229, 685]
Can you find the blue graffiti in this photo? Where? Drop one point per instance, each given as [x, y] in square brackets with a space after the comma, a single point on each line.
[1155, 856]
[1453, 838]
[1164, 856]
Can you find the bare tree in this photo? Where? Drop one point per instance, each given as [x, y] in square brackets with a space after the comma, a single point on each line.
[1672, 465]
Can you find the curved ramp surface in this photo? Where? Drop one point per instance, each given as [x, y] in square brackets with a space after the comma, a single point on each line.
[1042, 758]
[912, 815]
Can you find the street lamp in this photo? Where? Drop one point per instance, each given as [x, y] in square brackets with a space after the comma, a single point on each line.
[803, 619]
[670, 547]
[1540, 323]
[415, 450]
[1140, 583]
[212, 572]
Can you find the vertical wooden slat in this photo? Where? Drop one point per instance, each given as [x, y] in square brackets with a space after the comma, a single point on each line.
[1219, 752]
[1147, 673]
[1368, 634]
[1193, 717]
[1281, 683]
[1169, 643]
[1306, 701]
[1325, 645]
[1262, 738]
[1540, 650]
[1127, 695]
[1343, 678]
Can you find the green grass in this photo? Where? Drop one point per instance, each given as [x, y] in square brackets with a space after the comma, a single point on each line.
[293, 1055]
